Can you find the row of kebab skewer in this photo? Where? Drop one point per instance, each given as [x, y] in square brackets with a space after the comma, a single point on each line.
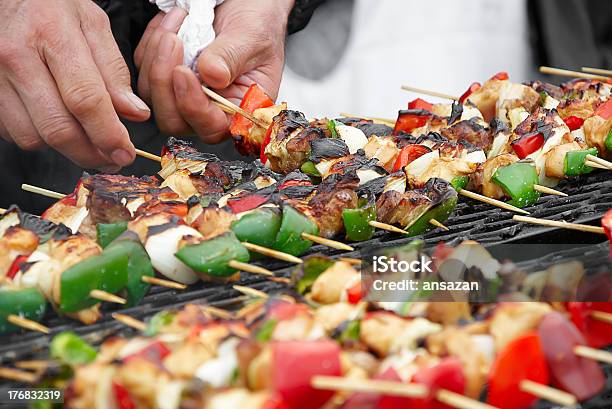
[315, 180]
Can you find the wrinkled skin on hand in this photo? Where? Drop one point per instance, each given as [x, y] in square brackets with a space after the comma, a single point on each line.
[249, 48]
[64, 83]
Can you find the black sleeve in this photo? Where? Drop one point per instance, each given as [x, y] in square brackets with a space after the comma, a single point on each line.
[301, 14]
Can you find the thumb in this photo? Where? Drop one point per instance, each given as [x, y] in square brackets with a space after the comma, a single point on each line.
[229, 56]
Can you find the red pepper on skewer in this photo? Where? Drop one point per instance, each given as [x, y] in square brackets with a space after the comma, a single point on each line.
[246, 203]
[573, 122]
[501, 76]
[519, 360]
[123, 399]
[606, 223]
[354, 294]
[473, 88]
[605, 110]
[528, 144]
[409, 120]
[294, 365]
[408, 154]
[16, 266]
[597, 333]
[420, 104]
[253, 99]
[290, 183]
[282, 311]
[155, 352]
[262, 153]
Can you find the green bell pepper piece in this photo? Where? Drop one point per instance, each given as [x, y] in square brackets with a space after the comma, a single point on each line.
[573, 164]
[310, 169]
[440, 213]
[107, 232]
[331, 126]
[307, 273]
[211, 257]
[608, 141]
[351, 332]
[459, 182]
[289, 238]
[259, 227]
[266, 330]
[107, 272]
[27, 303]
[356, 221]
[158, 321]
[70, 349]
[517, 181]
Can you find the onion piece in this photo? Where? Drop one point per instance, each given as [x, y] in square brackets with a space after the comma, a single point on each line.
[162, 248]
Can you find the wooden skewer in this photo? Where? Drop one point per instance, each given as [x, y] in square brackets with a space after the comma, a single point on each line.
[546, 392]
[599, 71]
[339, 383]
[17, 375]
[429, 92]
[106, 296]
[549, 191]
[352, 261]
[225, 109]
[130, 321]
[272, 253]
[250, 268]
[384, 121]
[569, 73]
[327, 242]
[163, 283]
[223, 101]
[601, 161]
[251, 292]
[42, 192]
[563, 225]
[387, 227]
[594, 354]
[36, 365]
[148, 155]
[490, 201]
[217, 312]
[459, 401]
[438, 224]
[27, 324]
[595, 165]
[602, 316]
[2, 210]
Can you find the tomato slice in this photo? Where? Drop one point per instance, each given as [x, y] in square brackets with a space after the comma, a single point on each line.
[605, 110]
[473, 88]
[573, 122]
[420, 104]
[253, 99]
[598, 333]
[501, 76]
[527, 145]
[408, 154]
[446, 374]
[407, 121]
[579, 376]
[521, 359]
[294, 365]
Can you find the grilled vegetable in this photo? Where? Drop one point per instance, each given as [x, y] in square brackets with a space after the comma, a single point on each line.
[517, 181]
[356, 221]
[574, 162]
[289, 238]
[107, 232]
[210, 258]
[70, 349]
[28, 303]
[258, 227]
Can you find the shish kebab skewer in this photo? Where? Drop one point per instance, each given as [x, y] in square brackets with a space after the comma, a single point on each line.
[597, 71]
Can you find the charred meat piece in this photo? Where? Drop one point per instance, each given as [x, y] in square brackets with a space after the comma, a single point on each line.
[552, 90]
[481, 181]
[470, 131]
[178, 154]
[332, 196]
[581, 108]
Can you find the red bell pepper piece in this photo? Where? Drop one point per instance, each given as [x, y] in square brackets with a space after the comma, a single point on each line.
[408, 154]
[262, 153]
[275, 402]
[246, 203]
[573, 122]
[579, 376]
[473, 88]
[290, 183]
[407, 121]
[606, 223]
[605, 110]
[284, 310]
[16, 266]
[354, 294]
[527, 145]
[501, 76]
[155, 352]
[123, 399]
[598, 333]
[294, 365]
[420, 104]
[521, 359]
[253, 99]
[447, 374]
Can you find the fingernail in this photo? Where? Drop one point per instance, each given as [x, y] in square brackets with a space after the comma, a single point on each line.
[172, 21]
[180, 85]
[121, 157]
[137, 102]
[166, 46]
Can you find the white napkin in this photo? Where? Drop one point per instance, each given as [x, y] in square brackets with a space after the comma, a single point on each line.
[197, 31]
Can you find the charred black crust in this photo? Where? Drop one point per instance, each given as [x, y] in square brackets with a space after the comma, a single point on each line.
[456, 112]
[185, 150]
[438, 191]
[328, 148]
[287, 122]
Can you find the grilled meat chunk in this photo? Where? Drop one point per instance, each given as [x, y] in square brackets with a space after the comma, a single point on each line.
[178, 154]
[481, 181]
[333, 195]
[470, 131]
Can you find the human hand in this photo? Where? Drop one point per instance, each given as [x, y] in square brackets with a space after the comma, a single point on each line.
[63, 81]
[249, 48]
